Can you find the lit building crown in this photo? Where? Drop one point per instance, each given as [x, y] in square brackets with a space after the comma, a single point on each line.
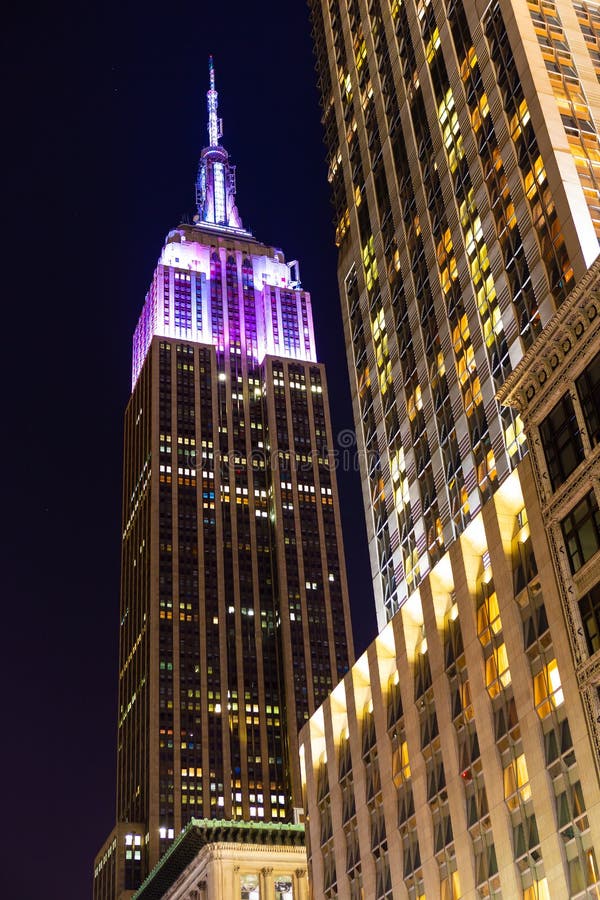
[186, 299]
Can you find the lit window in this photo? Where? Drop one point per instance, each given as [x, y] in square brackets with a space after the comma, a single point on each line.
[450, 887]
[412, 569]
[547, 690]
[497, 672]
[465, 699]
[249, 889]
[539, 890]
[488, 617]
[283, 887]
[516, 782]
[514, 436]
[432, 45]
[400, 764]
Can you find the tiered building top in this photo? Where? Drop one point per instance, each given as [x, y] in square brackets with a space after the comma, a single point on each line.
[186, 299]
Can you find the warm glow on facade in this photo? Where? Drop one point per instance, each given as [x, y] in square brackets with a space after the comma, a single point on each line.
[462, 142]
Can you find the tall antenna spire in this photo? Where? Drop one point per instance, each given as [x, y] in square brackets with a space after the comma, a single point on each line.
[215, 185]
[215, 127]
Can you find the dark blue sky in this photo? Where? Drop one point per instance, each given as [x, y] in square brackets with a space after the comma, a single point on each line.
[104, 119]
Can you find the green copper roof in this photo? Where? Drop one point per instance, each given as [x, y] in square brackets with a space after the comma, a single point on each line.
[200, 832]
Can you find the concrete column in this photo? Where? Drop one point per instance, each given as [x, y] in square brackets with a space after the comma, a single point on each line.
[236, 885]
[300, 885]
[267, 891]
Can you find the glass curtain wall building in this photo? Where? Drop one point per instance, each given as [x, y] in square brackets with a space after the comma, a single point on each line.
[463, 154]
[234, 613]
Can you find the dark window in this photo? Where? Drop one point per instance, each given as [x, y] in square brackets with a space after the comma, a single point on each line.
[581, 531]
[588, 388]
[561, 441]
[589, 607]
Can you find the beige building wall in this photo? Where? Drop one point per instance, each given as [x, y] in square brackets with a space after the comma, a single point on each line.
[473, 804]
[460, 756]
[471, 724]
[226, 871]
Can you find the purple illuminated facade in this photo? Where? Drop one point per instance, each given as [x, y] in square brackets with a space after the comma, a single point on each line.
[262, 313]
[234, 615]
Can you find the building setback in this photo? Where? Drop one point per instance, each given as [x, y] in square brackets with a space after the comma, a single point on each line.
[460, 757]
[234, 613]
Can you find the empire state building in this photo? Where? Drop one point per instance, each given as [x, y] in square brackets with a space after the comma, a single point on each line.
[234, 622]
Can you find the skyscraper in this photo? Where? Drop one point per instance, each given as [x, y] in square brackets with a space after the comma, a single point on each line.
[463, 152]
[463, 157]
[234, 614]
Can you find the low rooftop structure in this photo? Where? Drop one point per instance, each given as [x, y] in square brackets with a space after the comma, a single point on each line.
[215, 859]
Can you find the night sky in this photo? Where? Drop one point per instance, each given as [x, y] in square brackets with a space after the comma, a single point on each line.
[104, 119]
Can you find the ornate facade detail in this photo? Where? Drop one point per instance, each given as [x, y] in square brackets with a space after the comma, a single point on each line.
[568, 494]
[589, 674]
[545, 374]
[569, 602]
[565, 341]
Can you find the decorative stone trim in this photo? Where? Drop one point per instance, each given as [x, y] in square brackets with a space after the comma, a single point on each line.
[559, 504]
[587, 671]
[565, 341]
[589, 674]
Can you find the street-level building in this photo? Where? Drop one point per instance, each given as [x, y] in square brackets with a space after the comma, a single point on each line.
[220, 860]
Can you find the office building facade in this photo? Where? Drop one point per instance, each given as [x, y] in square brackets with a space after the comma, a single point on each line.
[234, 613]
[460, 757]
[466, 208]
